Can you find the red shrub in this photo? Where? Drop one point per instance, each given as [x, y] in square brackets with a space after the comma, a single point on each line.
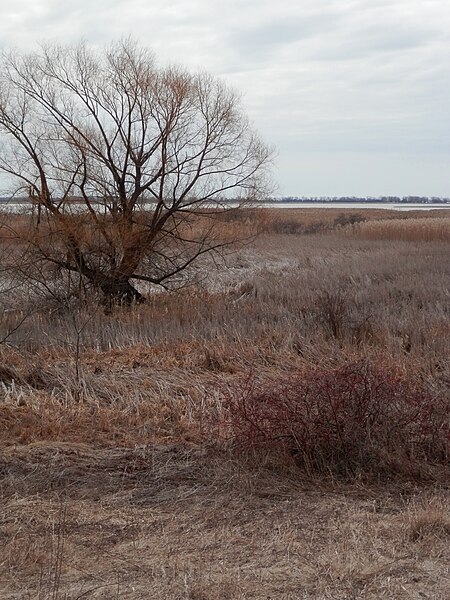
[350, 420]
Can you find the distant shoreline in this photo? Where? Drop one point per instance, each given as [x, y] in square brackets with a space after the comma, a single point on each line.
[303, 200]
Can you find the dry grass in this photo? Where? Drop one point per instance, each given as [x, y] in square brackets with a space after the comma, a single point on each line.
[109, 485]
[430, 523]
[172, 522]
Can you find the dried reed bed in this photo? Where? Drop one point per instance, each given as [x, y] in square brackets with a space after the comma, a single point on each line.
[409, 230]
[314, 220]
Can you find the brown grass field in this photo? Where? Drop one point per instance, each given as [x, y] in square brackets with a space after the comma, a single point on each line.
[119, 472]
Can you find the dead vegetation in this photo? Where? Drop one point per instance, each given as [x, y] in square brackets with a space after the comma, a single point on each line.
[174, 522]
[117, 479]
[410, 230]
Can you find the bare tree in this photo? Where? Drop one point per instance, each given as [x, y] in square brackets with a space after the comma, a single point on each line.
[123, 162]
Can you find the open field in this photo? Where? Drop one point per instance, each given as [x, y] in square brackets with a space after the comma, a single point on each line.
[119, 477]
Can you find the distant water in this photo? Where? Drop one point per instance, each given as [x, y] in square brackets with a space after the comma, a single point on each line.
[357, 205]
[23, 207]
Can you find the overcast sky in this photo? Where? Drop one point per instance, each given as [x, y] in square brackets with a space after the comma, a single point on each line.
[354, 94]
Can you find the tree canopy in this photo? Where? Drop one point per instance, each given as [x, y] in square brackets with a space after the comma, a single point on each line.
[125, 162]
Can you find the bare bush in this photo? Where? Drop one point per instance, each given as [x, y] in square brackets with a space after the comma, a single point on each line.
[348, 219]
[356, 420]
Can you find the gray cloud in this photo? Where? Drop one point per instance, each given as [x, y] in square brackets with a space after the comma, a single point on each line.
[333, 83]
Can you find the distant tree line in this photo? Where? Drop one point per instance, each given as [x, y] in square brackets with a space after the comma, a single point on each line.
[369, 199]
[321, 199]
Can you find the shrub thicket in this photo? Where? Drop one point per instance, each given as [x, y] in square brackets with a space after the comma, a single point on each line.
[354, 420]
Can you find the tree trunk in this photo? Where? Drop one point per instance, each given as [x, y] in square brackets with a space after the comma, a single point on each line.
[120, 291]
